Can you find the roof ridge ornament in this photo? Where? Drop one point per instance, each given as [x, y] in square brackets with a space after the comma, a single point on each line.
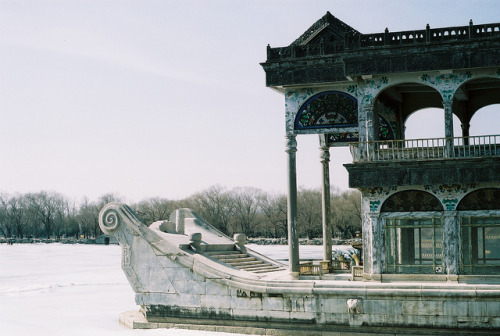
[337, 27]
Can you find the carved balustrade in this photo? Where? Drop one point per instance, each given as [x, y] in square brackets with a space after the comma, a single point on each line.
[426, 149]
[356, 41]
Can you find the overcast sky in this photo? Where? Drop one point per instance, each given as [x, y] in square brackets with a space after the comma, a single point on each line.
[166, 98]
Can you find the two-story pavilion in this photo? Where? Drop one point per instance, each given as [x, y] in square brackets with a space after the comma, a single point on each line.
[430, 206]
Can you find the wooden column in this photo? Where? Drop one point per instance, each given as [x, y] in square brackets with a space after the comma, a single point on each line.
[293, 237]
[372, 124]
[370, 131]
[448, 127]
[327, 228]
[465, 132]
[451, 239]
[448, 118]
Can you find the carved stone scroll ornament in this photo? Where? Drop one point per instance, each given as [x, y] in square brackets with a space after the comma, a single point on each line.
[121, 221]
[109, 221]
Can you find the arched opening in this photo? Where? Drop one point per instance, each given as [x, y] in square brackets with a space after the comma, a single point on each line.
[429, 123]
[481, 122]
[480, 231]
[398, 102]
[479, 94]
[414, 236]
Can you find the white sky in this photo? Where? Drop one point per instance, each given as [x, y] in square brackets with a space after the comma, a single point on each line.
[166, 98]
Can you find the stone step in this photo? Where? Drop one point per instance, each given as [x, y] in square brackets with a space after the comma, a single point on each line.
[245, 264]
[243, 261]
[212, 253]
[268, 270]
[238, 260]
[229, 256]
[260, 267]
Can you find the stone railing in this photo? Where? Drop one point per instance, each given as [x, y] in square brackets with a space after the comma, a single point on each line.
[301, 51]
[427, 35]
[310, 269]
[355, 41]
[426, 149]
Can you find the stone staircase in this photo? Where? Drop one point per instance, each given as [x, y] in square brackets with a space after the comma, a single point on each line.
[243, 261]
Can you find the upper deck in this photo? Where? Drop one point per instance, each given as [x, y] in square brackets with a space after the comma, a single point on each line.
[331, 51]
[473, 147]
[359, 90]
[432, 161]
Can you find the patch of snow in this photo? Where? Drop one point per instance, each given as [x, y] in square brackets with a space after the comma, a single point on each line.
[60, 290]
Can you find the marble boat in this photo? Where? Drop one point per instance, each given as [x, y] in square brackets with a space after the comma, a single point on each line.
[187, 274]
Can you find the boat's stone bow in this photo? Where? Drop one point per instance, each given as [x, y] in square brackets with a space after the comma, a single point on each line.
[184, 270]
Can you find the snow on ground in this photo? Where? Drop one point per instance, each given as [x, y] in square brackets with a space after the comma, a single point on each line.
[56, 289]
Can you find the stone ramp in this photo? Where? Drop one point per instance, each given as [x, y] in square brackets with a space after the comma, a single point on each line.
[243, 261]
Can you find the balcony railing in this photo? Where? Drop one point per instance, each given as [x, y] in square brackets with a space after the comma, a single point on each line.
[356, 41]
[426, 149]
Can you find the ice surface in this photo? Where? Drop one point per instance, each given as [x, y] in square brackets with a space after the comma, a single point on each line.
[307, 252]
[56, 289]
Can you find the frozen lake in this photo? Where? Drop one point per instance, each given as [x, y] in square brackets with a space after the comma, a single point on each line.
[56, 289]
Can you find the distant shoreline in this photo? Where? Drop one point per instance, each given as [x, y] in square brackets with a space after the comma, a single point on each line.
[86, 241]
[100, 241]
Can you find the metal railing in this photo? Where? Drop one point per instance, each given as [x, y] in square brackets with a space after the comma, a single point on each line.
[426, 149]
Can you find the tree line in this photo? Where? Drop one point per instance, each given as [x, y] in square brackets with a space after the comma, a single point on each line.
[240, 210]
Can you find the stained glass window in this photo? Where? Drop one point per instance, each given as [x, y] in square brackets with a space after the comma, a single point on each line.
[482, 199]
[328, 109]
[334, 109]
[412, 200]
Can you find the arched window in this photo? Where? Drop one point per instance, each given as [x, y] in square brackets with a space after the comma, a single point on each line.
[414, 239]
[481, 232]
[482, 199]
[412, 200]
[328, 109]
[337, 112]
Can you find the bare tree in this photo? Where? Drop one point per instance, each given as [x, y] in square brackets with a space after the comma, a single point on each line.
[247, 209]
[346, 213]
[154, 209]
[309, 217]
[46, 208]
[16, 212]
[274, 210]
[71, 225]
[6, 226]
[88, 219]
[215, 205]
[108, 198]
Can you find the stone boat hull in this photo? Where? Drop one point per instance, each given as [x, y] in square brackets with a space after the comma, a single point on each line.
[186, 274]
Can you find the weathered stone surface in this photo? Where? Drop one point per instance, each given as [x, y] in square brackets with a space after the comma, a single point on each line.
[333, 57]
[329, 305]
[216, 288]
[275, 303]
[458, 171]
[216, 301]
[192, 297]
[423, 308]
